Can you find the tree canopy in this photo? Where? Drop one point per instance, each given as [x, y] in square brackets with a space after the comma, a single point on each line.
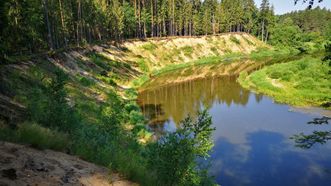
[32, 26]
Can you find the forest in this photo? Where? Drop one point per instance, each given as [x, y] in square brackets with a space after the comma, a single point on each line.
[32, 26]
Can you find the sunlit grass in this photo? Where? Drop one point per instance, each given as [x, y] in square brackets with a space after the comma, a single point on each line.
[302, 82]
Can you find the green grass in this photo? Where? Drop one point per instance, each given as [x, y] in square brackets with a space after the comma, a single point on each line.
[259, 54]
[187, 50]
[36, 136]
[262, 53]
[149, 46]
[202, 61]
[143, 65]
[304, 82]
[86, 81]
[235, 40]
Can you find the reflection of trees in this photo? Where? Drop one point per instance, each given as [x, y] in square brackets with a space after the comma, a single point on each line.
[188, 97]
[321, 137]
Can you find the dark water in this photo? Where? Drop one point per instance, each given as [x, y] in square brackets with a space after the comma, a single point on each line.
[252, 137]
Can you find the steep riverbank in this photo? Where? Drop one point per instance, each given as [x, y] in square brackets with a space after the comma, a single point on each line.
[97, 97]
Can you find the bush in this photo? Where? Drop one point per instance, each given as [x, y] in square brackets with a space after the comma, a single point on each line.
[49, 106]
[275, 75]
[86, 82]
[112, 82]
[174, 156]
[142, 65]
[187, 50]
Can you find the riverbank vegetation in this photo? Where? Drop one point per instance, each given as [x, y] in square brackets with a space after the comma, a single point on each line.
[302, 82]
[109, 132]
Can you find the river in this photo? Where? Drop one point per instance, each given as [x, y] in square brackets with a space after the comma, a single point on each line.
[253, 144]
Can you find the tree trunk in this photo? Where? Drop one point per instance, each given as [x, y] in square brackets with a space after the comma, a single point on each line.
[64, 30]
[262, 30]
[173, 17]
[49, 32]
[152, 20]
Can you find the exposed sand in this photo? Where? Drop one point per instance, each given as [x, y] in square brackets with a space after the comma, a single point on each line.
[22, 165]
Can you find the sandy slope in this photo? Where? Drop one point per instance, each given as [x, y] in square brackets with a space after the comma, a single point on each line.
[21, 165]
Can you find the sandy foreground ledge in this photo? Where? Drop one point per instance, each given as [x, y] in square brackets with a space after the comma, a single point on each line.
[22, 165]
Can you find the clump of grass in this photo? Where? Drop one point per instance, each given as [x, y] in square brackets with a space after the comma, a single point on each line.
[235, 40]
[143, 65]
[100, 60]
[140, 81]
[263, 52]
[214, 50]
[36, 136]
[199, 46]
[86, 81]
[248, 41]
[188, 50]
[149, 46]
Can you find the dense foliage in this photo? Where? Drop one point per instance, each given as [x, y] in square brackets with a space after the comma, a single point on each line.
[304, 31]
[314, 20]
[174, 156]
[28, 26]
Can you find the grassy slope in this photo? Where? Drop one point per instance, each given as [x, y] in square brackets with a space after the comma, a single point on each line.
[303, 82]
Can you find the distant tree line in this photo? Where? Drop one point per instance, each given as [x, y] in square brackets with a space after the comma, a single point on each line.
[314, 20]
[27, 26]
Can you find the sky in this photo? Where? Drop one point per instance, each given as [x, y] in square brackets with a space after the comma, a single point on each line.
[284, 6]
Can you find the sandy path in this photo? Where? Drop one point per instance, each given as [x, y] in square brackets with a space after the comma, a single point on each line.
[22, 165]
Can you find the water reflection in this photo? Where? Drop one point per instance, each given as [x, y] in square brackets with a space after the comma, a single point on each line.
[252, 137]
[176, 101]
[306, 141]
[269, 161]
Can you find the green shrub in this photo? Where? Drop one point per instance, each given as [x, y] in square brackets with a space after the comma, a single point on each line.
[131, 93]
[187, 50]
[275, 75]
[49, 106]
[111, 82]
[136, 117]
[86, 81]
[143, 65]
[174, 156]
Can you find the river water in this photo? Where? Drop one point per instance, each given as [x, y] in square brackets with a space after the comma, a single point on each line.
[253, 144]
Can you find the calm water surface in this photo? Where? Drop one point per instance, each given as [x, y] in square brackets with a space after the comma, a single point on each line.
[252, 137]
